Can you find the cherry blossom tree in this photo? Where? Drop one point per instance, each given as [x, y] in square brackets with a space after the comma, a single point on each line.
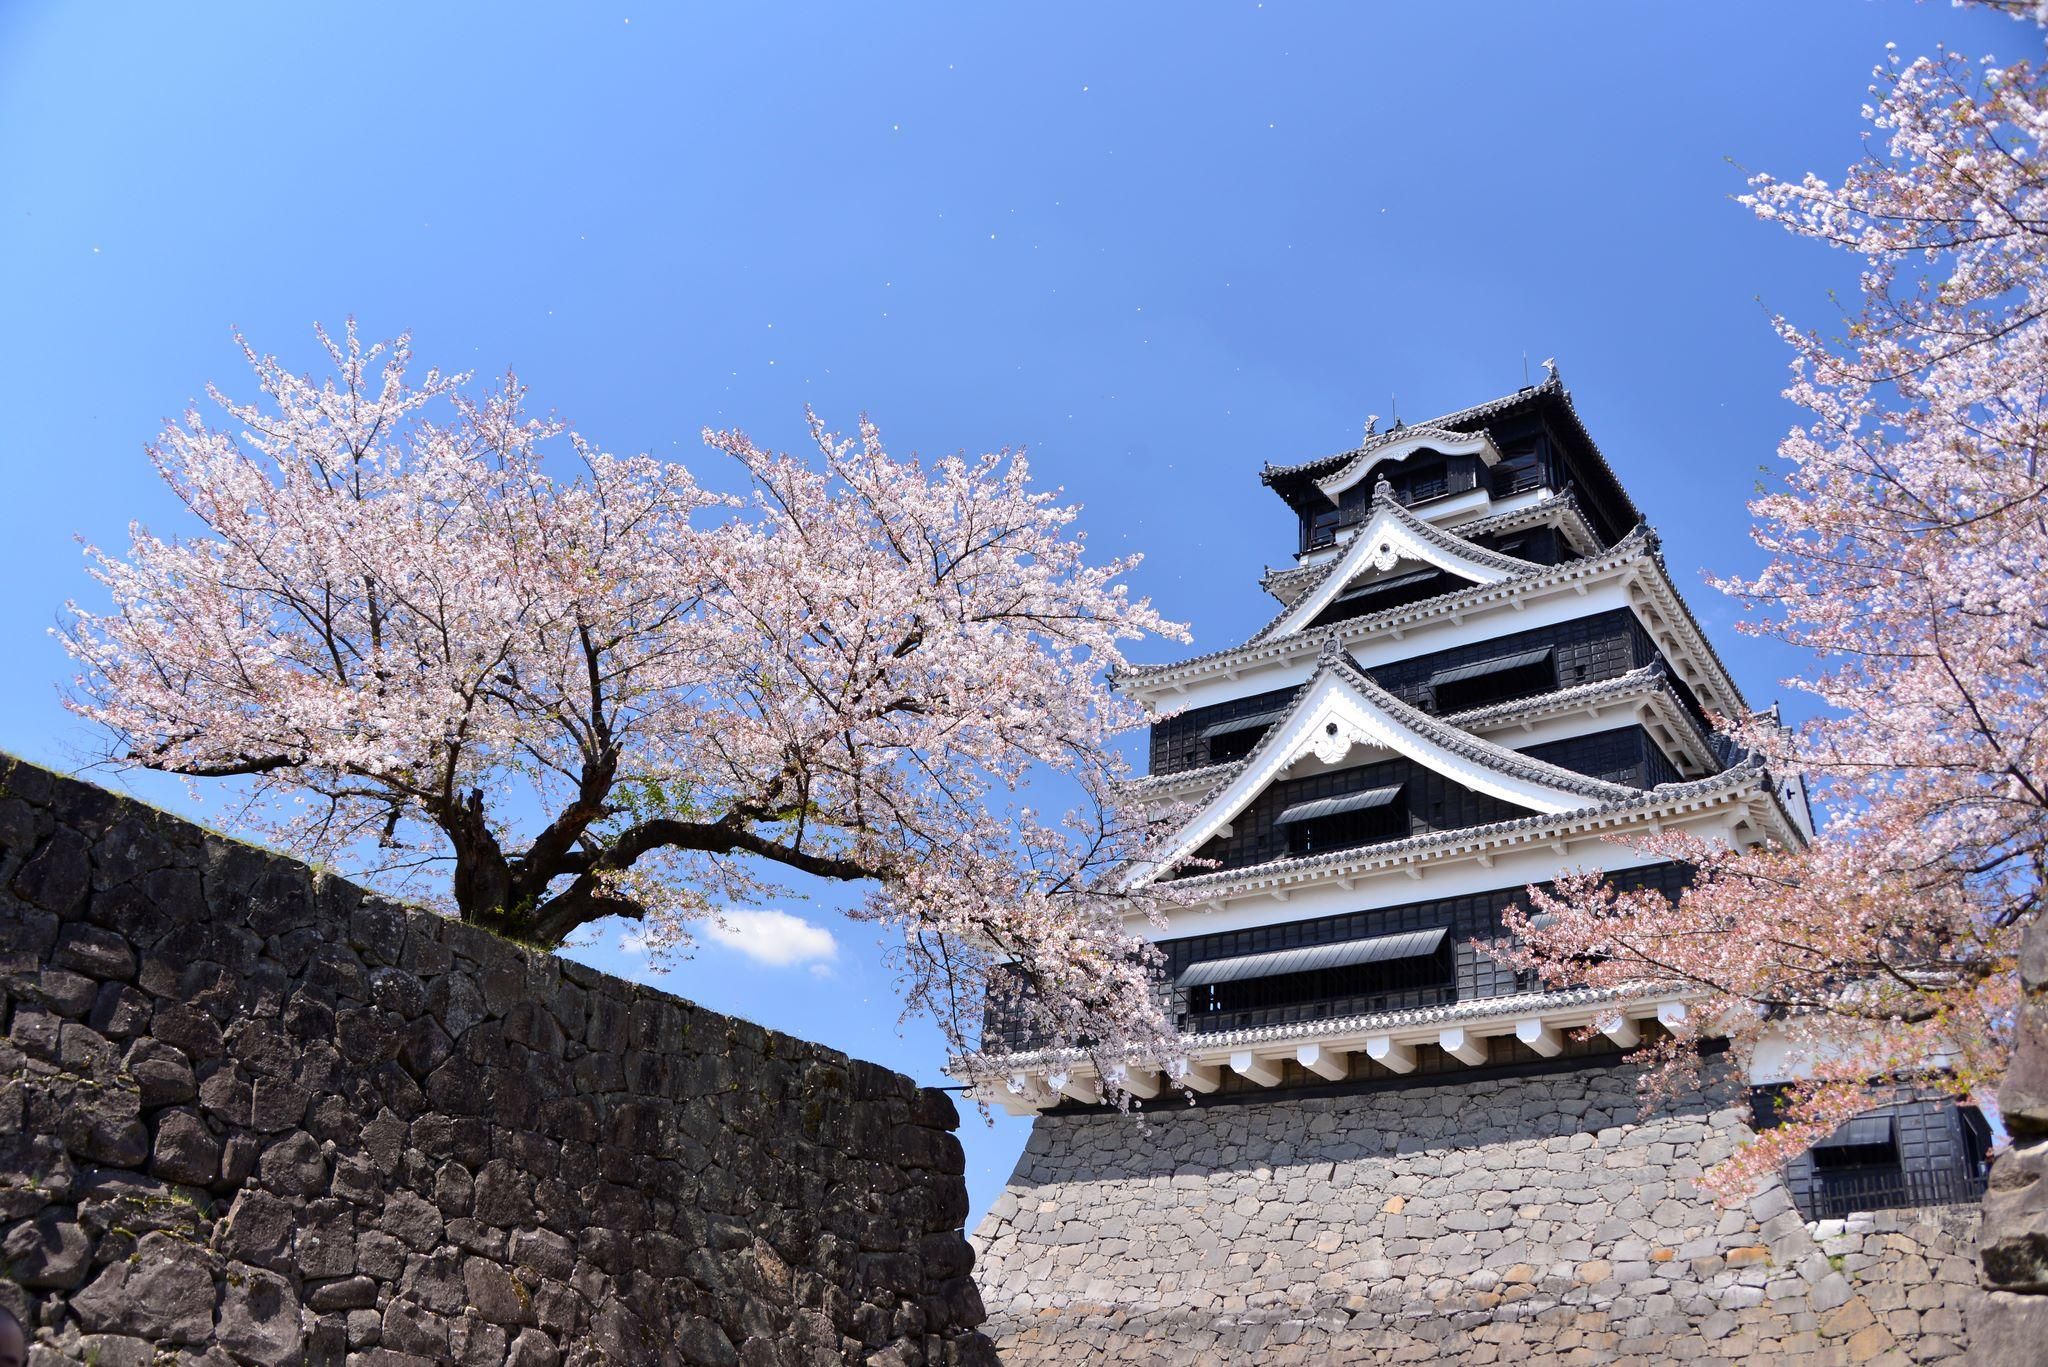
[461, 647]
[1908, 550]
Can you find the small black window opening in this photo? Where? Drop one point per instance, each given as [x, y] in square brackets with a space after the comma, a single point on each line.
[1492, 681]
[1395, 591]
[1518, 470]
[1857, 1158]
[1423, 979]
[1433, 975]
[1320, 528]
[1345, 822]
[1235, 738]
[1431, 479]
[1233, 745]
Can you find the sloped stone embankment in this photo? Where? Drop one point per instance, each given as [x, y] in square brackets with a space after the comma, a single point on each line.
[252, 1115]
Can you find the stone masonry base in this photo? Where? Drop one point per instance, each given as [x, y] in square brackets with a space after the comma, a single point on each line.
[1530, 1220]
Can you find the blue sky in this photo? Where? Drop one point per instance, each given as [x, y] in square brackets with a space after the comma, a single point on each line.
[1156, 244]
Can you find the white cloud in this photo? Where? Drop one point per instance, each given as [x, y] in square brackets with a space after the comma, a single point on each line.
[775, 938]
[633, 942]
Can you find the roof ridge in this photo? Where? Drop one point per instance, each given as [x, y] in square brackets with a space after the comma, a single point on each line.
[1384, 504]
[1731, 778]
[1432, 732]
[1568, 695]
[1443, 422]
[1444, 537]
[1571, 695]
[1633, 546]
[1478, 748]
[1559, 502]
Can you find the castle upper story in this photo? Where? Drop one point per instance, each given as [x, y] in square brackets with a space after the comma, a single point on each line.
[1478, 672]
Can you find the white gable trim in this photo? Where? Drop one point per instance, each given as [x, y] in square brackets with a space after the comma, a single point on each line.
[1410, 441]
[1385, 541]
[1332, 718]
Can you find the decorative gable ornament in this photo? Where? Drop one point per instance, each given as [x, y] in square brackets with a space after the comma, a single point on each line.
[1402, 443]
[1341, 708]
[1334, 741]
[1391, 535]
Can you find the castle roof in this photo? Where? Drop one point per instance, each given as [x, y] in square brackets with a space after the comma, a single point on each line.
[1635, 555]
[1637, 808]
[1340, 706]
[1560, 510]
[1550, 396]
[1393, 534]
[1399, 444]
[1518, 1006]
[1650, 684]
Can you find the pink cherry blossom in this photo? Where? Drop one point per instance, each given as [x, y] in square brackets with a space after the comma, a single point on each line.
[475, 655]
[1909, 553]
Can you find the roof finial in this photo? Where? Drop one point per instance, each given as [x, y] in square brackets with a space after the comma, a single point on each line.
[1550, 370]
[1331, 653]
[1372, 425]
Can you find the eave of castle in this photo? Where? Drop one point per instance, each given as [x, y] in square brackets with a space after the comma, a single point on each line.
[1639, 695]
[1568, 1010]
[1278, 660]
[1551, 393]
[1744, 786]
[1341, 711]
[1395, 536]
[1464, 419]
[1559, 510]
[1401, 443]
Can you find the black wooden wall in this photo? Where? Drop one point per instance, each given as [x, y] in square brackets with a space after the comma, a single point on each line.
[1587, 649]
[1476, 973]
[1434, 802]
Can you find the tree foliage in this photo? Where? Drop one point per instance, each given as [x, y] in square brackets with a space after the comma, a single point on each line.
[430, 632]
[1908, 550]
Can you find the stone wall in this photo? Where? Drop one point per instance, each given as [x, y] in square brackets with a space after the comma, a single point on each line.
[1534, 1219]
[2011, 1323]
[251, 1115]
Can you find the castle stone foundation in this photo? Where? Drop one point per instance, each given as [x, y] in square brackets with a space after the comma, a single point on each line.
[1532, 1219]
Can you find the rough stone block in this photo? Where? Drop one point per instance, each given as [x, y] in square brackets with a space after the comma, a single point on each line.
[162, 1292]
[251, 1115]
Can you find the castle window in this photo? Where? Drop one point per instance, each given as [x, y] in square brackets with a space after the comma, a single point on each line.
[1868, 1141]
[1392, 592]
[1927, 1151]
[1234, 739]
[1431, 479]
[1409, 968]
[1320, 528]
[1337, 823]
[1497, 680]
[1518, 470]
[1857, 1167]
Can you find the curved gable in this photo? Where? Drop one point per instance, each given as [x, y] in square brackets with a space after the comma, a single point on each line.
[1401, 444]
[1390, 536]
[1340, 708]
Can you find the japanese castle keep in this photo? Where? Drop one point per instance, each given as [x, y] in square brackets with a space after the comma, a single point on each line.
[1478, 672]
